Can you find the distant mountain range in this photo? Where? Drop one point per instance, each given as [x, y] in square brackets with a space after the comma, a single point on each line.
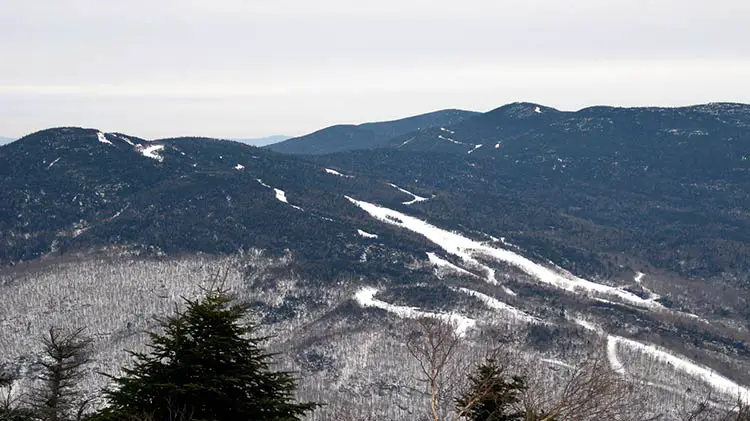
[346, 137]
[621, 231]
[262, 141]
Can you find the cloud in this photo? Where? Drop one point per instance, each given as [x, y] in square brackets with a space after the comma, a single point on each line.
[380, 59]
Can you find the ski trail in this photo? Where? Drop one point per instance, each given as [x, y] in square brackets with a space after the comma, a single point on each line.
[466, 249]
[366, 298]
[415, 198]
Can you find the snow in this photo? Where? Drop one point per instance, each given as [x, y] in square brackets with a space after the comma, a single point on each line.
[53, 163]
[538, 110]
[587, 325]
[447, 131]
[639, 277]
[281, 195]
[151, 151]
[614, 361]
[497, 146]
[442, 263]
[239, 167]
[496, 304]
[466, 248]
[366, 234]
[450, 140]
[718, 382]
[334, 172]
[415, 197]
[509, 291]
[366, 298]
[128, 141]
[556, 362]
[406, 141]
[475, 148]
[102, 138]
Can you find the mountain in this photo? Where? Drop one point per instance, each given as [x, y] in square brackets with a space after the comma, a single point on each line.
[575, 237]
[518, 128]
[366, 136]
[262, 141]
[174, 195]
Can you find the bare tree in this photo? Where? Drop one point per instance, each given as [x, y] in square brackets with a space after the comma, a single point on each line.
[593, 391]
[8, 398]
[706, 411]
[433, 346]
[66, 353]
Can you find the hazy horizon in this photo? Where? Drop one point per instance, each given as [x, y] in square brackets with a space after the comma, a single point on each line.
[238, 69]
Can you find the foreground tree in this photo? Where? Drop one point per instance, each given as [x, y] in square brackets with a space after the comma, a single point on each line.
[58, 398]
[433, 345]
[492, 396]
[206, 365]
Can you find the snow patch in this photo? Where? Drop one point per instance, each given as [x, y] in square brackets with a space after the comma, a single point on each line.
[128, 141]
[443, 129]
[366, 234]
[588, 325]
[151, 151]
[406, 142]
[497, 146]
[466, 248]
[239, 167]
[538, 110]
[556, 362]
[102, 138]
[366, 298]
[281, 195]
[450, 140]
[53, 163]
[496, 304]
[614, 361]
[475, 148]
[442, 263]
[414, 196]
[334, 172]
[718, 382]
[639, 277]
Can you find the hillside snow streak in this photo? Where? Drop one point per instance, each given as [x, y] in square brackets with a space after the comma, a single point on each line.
[466, 249]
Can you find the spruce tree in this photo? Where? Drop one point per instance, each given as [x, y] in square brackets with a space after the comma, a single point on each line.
[206, 365]
[63, 367]
[492, 396]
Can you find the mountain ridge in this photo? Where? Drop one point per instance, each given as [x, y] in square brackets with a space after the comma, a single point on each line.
[575, 236]
[344, 137]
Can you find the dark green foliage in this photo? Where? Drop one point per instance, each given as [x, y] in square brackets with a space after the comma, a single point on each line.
[492, 396]
[206, 365]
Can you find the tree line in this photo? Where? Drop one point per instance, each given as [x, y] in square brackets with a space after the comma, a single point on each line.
[207, 364]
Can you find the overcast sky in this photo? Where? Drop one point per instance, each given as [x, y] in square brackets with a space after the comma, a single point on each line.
[242, 68]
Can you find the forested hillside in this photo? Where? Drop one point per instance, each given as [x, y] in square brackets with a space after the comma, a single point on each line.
[610, 241]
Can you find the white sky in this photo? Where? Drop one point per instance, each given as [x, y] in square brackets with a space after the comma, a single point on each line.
[243, 68]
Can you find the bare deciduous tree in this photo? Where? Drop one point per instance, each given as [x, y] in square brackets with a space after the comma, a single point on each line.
[8, 398]
[593, 391]
[57, 398]
[706, 411]
[433, 346]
